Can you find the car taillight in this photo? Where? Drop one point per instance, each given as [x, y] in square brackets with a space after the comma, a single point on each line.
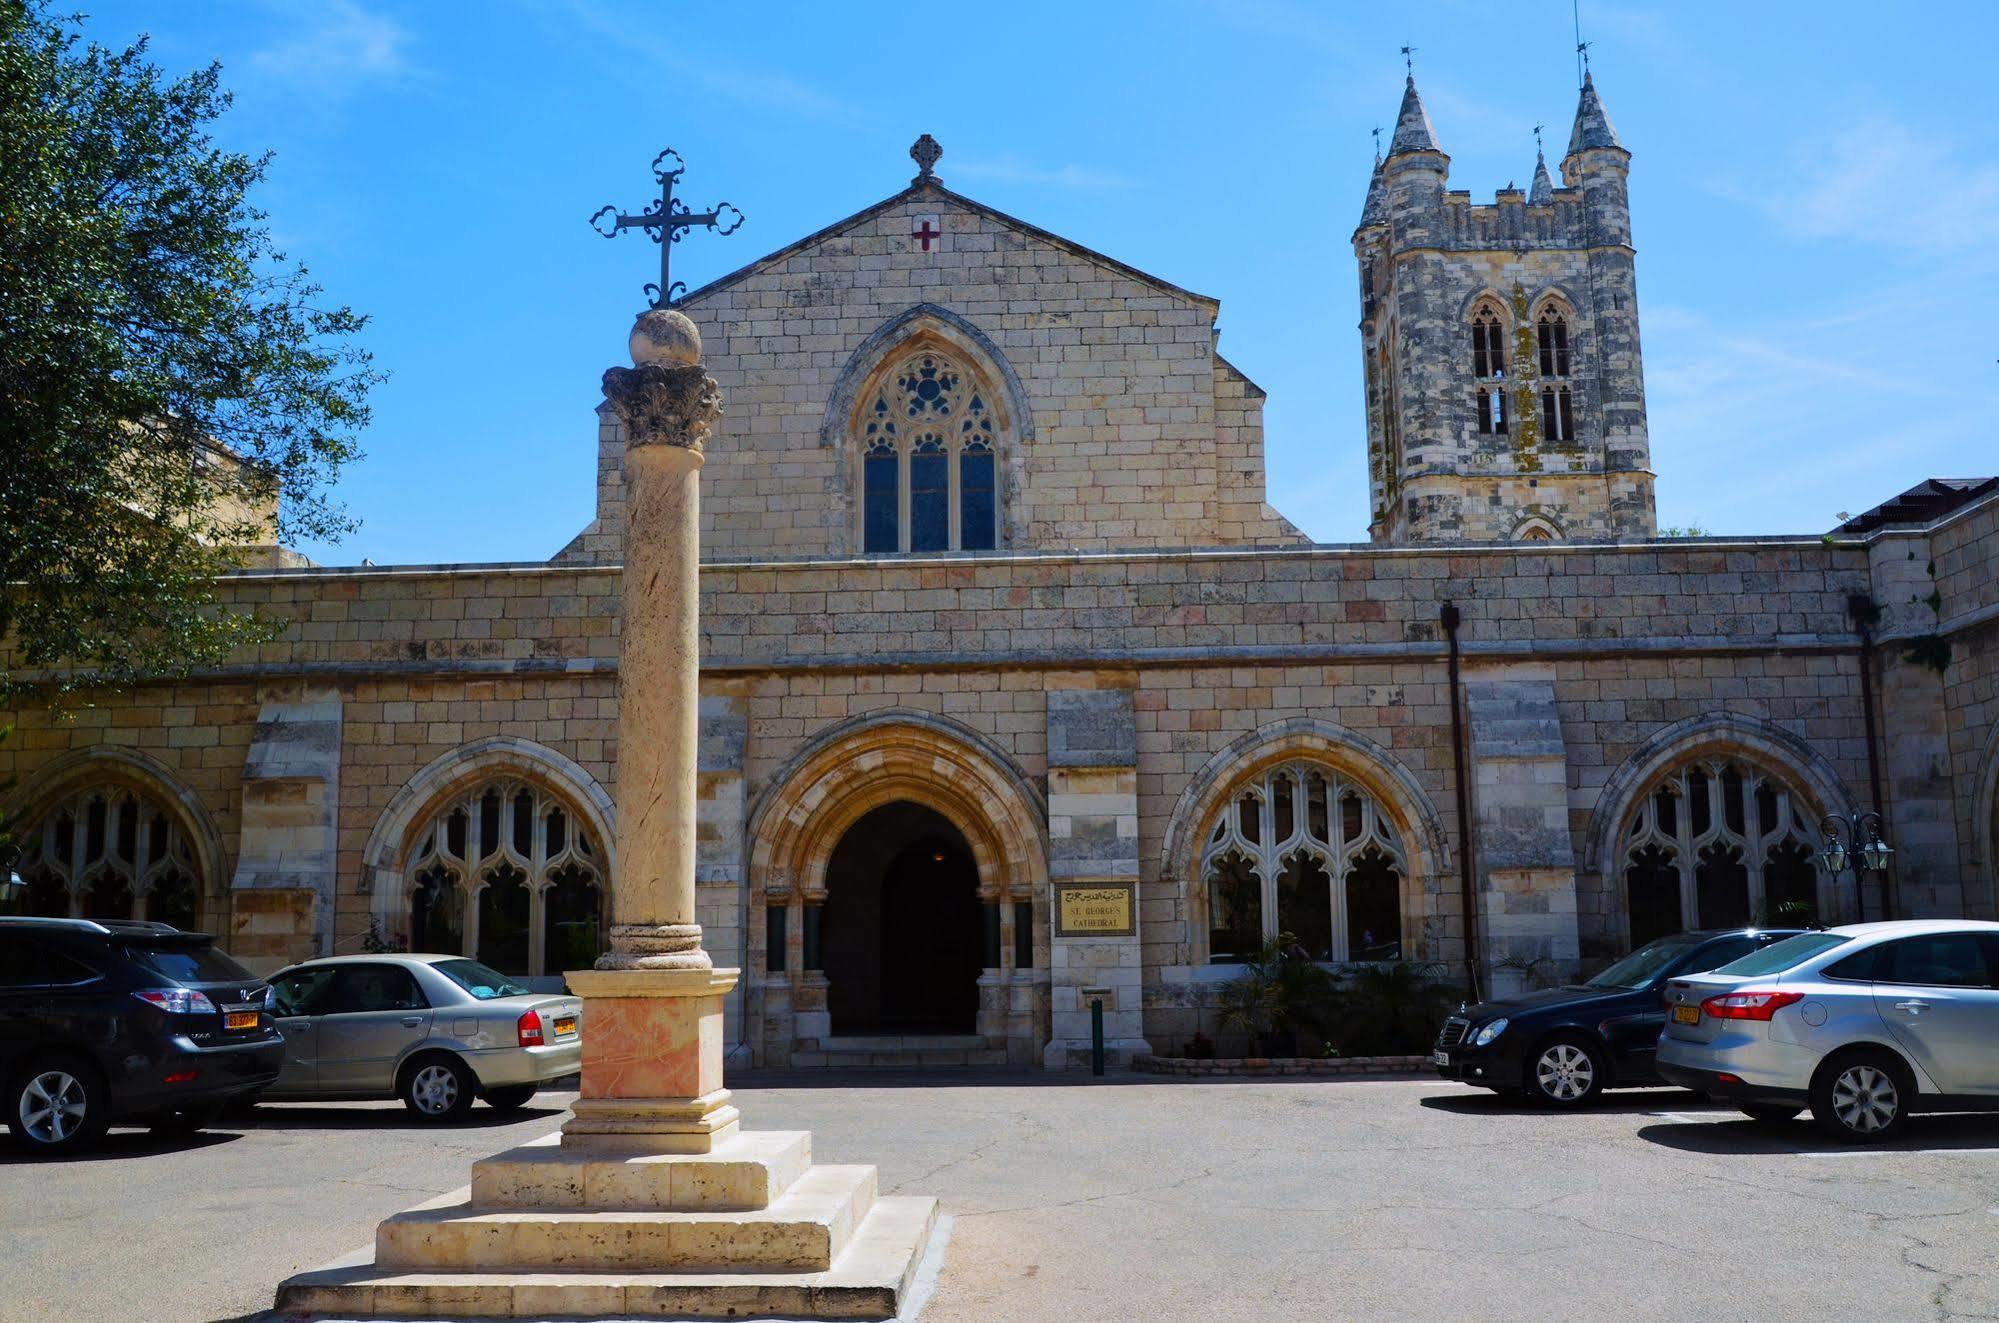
[178, 1077]
[177, 1001]
[1748, 1005]
[529, 1029]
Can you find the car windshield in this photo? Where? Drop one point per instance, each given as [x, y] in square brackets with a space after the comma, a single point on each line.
[479, 980]
[1780, 956]
[188, 962]
[1642, 966]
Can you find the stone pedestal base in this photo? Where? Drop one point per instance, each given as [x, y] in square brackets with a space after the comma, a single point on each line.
[651, 1203]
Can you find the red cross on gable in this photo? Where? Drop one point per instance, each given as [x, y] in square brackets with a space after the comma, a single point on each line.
[926, 233]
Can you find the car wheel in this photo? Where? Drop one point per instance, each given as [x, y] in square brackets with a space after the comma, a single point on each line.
[1862, 1097]
[57, 1105]
[438, 1088]
[511, 1098]
[186, 1120]
[1770, 1113]
[1565, 1072]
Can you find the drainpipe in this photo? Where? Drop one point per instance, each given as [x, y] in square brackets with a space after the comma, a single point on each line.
[1449, 616]
[1861, 607]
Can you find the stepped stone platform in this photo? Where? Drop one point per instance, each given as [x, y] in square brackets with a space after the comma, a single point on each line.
[751, 1229]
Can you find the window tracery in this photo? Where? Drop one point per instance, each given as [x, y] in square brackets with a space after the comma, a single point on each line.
[1719, 843]
[109, 852]
[505, 872]
[1304, 853]
[1558, 419]
[1488, 364]
[929, 442]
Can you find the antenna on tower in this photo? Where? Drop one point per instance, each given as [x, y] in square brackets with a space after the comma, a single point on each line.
[1582, 47]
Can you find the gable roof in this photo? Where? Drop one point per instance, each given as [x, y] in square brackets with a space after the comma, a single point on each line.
[1925, 503]
[931, 187]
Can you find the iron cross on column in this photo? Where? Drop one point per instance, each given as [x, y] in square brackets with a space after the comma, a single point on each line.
[666, 223]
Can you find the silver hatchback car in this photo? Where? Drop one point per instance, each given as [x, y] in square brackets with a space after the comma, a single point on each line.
[1863, 1024]
[434, 1030]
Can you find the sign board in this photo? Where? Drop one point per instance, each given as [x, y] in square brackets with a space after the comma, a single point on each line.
[1095, 909]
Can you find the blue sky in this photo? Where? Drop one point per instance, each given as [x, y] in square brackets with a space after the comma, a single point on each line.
[1815, 192]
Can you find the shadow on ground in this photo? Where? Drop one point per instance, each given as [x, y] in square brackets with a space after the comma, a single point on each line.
[1724, 1137]
[1621, 1102]
[333, 1116]
[117, 1146]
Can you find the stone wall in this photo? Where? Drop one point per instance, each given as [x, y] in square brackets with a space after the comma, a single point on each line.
[1964, 554]
[1123, 418]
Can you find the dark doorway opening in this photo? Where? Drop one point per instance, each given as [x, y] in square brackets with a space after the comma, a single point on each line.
[900, 934]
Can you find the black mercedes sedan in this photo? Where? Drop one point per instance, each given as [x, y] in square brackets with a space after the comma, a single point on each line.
[1564, 1046]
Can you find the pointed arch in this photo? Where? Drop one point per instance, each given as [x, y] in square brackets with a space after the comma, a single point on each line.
[1007, 424]
[82, 769]
[385, 856]
[1537, 527]
[890, 756]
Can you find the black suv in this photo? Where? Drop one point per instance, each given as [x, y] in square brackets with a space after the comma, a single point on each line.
[122, 1021]
[1564, 1046]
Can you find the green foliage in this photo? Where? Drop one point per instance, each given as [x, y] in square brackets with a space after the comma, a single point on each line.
[1395, 1008]
[1276, 995]
[1931, 650]
[1683, 530]
[145, 319]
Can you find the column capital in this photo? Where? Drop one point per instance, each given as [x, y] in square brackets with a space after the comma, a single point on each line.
[665, 398]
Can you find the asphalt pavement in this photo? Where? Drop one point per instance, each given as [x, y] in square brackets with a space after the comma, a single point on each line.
[1131, 1199]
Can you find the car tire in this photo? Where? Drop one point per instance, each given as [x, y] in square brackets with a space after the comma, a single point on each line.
[187, 1120]
[1770, 1113]
[1566, 1071]
[437, 1088]
[1862, 1096]
[511, 1098]
[58, 1105]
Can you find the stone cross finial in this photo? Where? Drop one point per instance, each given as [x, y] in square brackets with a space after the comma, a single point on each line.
[925, 152]
[665, 398]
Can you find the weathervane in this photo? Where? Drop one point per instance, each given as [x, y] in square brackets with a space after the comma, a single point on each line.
[666, 223]
[1537, 140]
[1377, 144]
[1409, 59]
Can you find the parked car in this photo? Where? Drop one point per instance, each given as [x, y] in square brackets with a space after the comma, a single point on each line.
[1564, 1046]
[133, 1022]
[1863, 1024]
[434, 1030]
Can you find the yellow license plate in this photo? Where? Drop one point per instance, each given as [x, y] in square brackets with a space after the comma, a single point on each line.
[565, 1025]
[1686, 1015]
[239, 1020]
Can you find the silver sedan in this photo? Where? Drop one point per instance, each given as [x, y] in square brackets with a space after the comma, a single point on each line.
[1863, 1024]
[436, 1031]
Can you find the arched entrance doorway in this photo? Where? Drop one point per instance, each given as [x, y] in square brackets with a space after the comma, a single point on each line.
[900, 936]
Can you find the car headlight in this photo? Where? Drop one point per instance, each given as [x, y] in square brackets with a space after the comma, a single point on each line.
[1487, 1033]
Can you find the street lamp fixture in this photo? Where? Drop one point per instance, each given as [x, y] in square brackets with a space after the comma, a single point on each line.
[1854, 842]
[11, 882]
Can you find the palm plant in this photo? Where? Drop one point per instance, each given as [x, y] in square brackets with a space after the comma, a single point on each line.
[1278, 993]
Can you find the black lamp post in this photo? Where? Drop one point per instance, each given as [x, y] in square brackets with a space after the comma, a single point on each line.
[1855, 842]
[11, 883]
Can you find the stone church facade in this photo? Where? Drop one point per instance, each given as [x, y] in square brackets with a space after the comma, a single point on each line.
[1017, 693]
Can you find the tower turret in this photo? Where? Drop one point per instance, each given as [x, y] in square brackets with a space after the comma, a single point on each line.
[1505, 393]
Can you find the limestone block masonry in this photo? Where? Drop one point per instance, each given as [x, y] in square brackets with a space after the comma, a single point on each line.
[1093, 851]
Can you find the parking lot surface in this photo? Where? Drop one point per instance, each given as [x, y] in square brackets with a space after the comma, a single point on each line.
[1133, 1199]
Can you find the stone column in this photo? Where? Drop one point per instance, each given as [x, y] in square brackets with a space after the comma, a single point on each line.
[653, 1007]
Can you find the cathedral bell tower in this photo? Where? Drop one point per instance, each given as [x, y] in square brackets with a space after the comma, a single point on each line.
[1505, 384]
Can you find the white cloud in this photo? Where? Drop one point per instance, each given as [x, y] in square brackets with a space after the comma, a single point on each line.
[1876, 181]
[335, 46]
[1012, 170]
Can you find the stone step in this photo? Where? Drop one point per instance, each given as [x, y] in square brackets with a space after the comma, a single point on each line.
[803, 1230]
[749, 1170]
[870, 1280]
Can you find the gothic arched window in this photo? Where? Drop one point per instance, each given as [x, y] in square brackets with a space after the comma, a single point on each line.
[1718, 844]
[505, 872]
[1306, 854]
[1558, 416]
[929, 445]
[109, 852]
[1488, 368]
